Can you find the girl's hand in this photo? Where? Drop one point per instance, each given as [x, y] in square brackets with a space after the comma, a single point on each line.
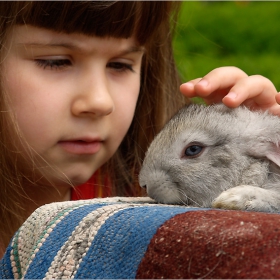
[234, 87]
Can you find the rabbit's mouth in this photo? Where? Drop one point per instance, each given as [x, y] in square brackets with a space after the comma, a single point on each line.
[166, 194]
[161, 188]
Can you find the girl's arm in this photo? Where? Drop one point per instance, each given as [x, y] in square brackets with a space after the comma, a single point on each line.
[234, 87]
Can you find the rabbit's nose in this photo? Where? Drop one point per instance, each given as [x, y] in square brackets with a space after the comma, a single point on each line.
[144, 187]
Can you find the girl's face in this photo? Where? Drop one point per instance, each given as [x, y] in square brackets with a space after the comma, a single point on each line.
[73, 95]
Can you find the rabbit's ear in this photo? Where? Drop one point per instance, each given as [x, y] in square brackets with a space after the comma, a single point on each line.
[273, 154]
[267, 149]
[262, 136]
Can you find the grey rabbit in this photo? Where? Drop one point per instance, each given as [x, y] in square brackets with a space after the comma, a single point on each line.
[214, 156]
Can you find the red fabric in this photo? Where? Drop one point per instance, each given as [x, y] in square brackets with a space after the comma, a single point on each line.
[84, 191]
[214, 245]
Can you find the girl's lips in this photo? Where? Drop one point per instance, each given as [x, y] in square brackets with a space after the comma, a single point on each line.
[80, 147]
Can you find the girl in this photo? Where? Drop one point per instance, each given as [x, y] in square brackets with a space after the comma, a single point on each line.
[73, 75]
[87, 85]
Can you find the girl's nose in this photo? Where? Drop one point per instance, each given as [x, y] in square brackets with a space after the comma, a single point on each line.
[94, 97]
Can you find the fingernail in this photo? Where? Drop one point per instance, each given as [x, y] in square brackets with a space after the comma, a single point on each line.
[187, 85]
[231, 95]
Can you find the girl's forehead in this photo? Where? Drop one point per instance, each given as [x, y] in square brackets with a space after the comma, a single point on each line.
[29, 32]
[36, 37]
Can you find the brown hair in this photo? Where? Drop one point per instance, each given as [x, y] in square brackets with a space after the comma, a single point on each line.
[150, 22]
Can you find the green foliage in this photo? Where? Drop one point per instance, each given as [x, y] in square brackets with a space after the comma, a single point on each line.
[243, 34]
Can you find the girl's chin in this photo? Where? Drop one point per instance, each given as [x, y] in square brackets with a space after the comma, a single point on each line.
[68, 181]
[70, 177]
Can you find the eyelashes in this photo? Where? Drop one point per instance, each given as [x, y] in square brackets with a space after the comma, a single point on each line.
[120, 66]
[53, 64]
[60, 64]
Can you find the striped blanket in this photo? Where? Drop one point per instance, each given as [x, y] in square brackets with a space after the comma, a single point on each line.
[128, 238]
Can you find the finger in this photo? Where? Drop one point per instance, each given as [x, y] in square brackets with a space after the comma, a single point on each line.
[187, 89]
[276, 108]
[222, 78]
[277, 97]
[258, 89]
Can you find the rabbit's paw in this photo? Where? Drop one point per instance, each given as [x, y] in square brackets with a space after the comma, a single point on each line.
[247, 198]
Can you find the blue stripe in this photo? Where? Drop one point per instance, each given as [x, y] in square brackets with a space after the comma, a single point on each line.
[60, 234]
[5, 265]
[122, 241]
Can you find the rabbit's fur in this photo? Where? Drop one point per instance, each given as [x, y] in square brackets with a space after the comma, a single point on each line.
[237, 168]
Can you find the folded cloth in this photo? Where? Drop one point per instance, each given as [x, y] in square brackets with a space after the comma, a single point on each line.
[128, 238]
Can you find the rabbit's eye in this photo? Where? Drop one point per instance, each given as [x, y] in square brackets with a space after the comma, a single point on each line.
[193, 151]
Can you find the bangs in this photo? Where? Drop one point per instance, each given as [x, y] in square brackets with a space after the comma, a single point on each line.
[120, 19]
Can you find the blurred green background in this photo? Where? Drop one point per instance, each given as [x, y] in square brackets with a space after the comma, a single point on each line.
[211, 34]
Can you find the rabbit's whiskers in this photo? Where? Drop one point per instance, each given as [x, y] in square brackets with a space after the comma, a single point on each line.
[187, 199]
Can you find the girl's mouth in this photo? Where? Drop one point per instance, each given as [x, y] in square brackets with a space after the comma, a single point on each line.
[80, 147]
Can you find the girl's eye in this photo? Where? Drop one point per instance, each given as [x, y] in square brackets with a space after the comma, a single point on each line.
[120, 66]
[55, 64]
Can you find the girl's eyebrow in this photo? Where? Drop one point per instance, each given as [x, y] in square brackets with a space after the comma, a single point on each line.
[70, 46]
[134, 49]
